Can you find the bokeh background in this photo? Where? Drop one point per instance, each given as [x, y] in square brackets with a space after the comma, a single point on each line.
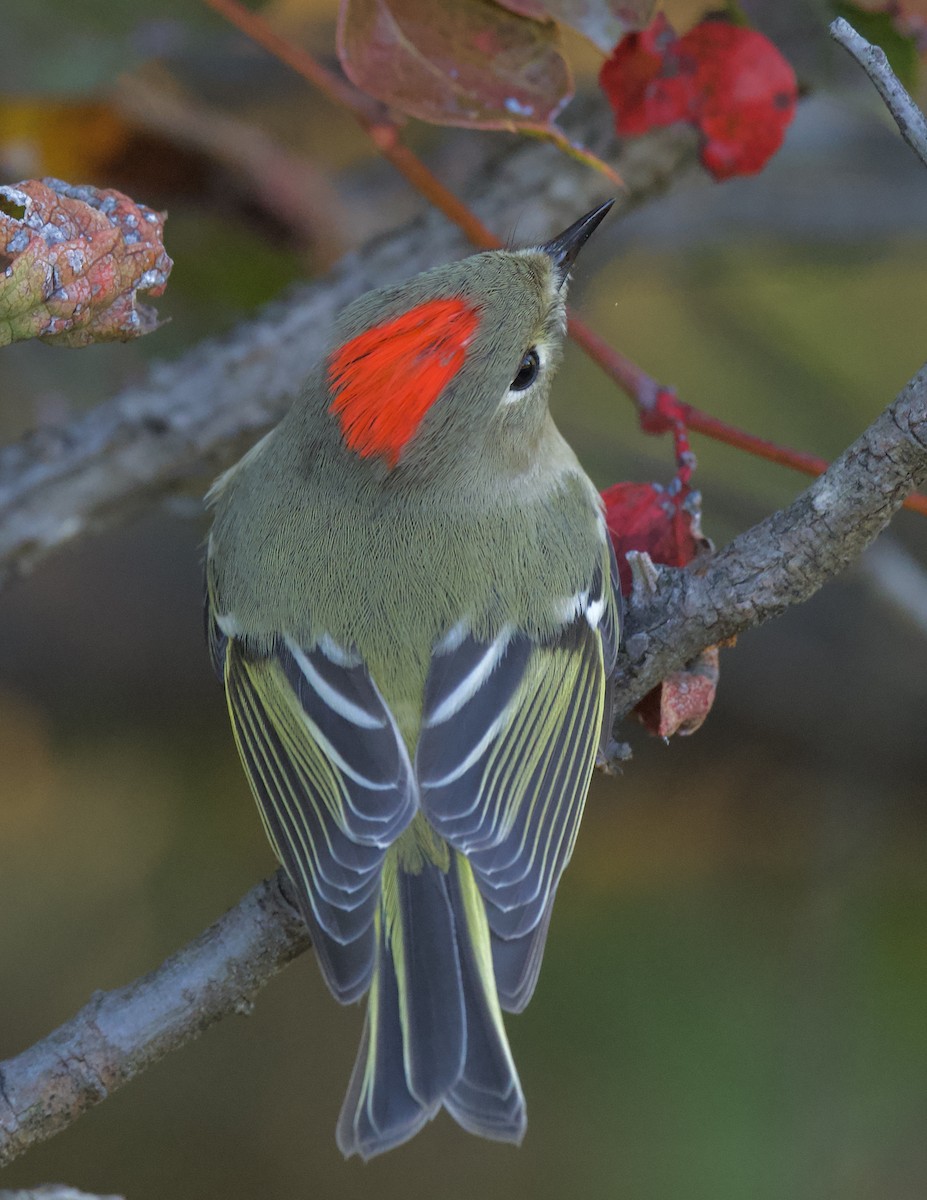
[733, 999]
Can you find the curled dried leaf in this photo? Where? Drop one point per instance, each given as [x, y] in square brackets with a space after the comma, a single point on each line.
[72, 260]
[681, 702]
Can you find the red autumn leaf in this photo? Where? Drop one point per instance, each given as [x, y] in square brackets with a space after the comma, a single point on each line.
[730, 82]
[72, 260]
[639, 89]
[455, 62]
[603, 22]
[745, 96]
[663, 521]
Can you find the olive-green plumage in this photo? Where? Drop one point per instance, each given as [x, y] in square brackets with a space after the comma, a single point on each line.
[416, 656]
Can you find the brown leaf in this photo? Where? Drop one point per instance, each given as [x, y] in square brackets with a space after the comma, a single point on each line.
[603, 22]
[71, 262]
[455, 62]
[682, 701]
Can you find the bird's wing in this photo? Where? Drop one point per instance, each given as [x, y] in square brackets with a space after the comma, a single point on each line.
[509, 735]
[333, 783]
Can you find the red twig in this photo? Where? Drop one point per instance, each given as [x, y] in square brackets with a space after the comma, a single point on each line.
[644, 390]
[376, 121]
[372, 116]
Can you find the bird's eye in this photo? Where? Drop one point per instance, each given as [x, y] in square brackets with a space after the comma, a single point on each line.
[527, 371]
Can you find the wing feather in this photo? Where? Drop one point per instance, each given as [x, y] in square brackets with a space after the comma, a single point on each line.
[334, 787]
[509, 737]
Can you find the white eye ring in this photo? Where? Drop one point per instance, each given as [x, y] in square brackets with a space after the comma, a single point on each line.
[533, 362]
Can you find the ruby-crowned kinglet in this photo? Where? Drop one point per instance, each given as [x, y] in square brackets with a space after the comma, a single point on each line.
[413, 604]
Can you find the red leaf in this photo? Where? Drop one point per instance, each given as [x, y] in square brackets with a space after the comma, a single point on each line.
[455, 62]
[663, 521]
[731, 82]
[746, 94]
[635, 82]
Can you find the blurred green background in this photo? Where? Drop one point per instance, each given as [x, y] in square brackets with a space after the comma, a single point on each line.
[733, 999]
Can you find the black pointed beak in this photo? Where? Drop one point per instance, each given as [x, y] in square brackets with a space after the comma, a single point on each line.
[564, 248]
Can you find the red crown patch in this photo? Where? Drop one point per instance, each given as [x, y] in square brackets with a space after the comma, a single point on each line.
[386, 379]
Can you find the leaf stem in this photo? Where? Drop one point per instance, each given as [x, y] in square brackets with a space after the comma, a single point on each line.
[373, 117]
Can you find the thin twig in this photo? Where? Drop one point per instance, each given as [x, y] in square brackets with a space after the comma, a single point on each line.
[908, 117]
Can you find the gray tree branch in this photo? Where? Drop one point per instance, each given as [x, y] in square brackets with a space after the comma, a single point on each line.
[193, 417]
[120, 1033]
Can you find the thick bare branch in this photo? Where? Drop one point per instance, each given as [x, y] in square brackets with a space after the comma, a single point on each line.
[195, 416]
[786, 558]
[780, 562]
[120, 1033]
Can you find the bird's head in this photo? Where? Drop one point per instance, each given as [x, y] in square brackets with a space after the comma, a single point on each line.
[454, 366]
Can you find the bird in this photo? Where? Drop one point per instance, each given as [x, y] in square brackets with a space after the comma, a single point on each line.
[413, 604]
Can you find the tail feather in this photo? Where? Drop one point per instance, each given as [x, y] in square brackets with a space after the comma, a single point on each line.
[433, 1033]
[487, 1098]
[379, 1110]
[431, 1002]
[517, 962]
